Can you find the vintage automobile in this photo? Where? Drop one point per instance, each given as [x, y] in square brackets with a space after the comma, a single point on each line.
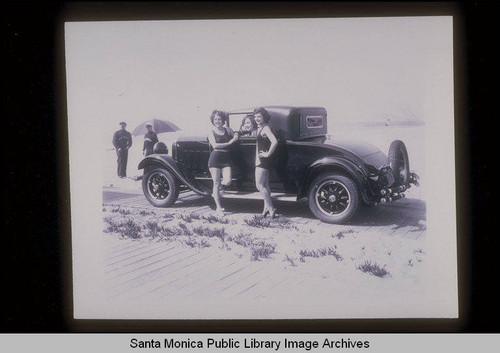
[337, 177]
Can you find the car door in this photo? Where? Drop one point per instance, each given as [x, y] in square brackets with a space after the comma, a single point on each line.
[244, 161]
[244, 164]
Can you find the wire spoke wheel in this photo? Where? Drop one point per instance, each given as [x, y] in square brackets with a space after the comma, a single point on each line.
[333, 198]
[160, 187]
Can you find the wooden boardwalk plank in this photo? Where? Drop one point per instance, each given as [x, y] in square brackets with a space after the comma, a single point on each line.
[137, 258]
[122, 244]
[221, 278]
[149, 266]
[160, 270]
[401, 228]
[316, 286]
[174, 263]
[231, 285]
[243, 282]
[281, 289]
[166, 279]
[416, 232]
[266, 290]
[114, 196]
[152, 284]
[127, 250]
[263, 283]
[197, 278]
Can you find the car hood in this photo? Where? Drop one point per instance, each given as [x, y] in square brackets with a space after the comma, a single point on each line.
[367, 152]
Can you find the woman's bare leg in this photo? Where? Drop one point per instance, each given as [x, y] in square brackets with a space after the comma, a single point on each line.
[216, 176]
[262, 183]
[272, 209]
[226, 176]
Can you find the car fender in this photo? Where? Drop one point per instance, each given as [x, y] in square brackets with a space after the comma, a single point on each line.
[343, 166]
[169, 163]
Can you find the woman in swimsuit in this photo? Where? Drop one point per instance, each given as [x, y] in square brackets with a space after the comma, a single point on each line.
[220, 138]
[266, 145]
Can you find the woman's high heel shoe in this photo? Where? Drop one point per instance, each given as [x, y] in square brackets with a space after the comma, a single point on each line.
[272, 213]
[265, 213]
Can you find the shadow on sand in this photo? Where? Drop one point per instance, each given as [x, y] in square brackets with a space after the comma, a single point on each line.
[399, 214]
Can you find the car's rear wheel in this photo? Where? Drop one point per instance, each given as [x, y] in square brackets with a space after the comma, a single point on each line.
[333, 198]
[399, 162]
[160, 187]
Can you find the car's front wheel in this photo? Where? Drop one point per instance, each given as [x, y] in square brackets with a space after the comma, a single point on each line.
[333, 198]
[160, 187]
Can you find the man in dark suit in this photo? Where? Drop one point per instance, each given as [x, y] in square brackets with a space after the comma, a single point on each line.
[122, 140]
[150, 139]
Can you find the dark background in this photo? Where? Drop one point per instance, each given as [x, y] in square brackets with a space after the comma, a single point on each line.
[35, 283]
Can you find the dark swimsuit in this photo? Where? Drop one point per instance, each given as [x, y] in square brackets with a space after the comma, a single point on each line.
[263, 144]
[221, 157]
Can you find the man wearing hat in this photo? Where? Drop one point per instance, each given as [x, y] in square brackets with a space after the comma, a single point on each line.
[149, 140]
[122, 140]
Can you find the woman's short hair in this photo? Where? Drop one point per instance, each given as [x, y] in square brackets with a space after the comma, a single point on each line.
[252, 120]
[220, 113]
[264, 113]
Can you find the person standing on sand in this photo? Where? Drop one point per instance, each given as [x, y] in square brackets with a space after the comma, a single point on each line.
[219, 162]
[266, 145]
[150, 138]
[122, 141]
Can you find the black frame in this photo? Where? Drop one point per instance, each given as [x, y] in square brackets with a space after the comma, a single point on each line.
[34, 61]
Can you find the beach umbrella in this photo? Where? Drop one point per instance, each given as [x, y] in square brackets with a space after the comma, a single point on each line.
[159, 126]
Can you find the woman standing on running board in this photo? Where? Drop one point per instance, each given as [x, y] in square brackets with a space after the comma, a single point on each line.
[220, 138]
[266, 145]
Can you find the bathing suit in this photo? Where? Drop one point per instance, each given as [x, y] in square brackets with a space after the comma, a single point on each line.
[221, 157]
[263, 144]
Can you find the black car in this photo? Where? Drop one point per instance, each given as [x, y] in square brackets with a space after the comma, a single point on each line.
[336, 177]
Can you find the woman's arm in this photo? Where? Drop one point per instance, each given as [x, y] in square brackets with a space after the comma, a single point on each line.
[234, 135]
[215, 145]
[211, 139]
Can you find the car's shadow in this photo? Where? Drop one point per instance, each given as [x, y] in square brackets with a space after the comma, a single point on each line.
[398, 214]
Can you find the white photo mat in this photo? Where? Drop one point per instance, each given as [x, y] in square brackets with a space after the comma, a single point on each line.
[359, 69]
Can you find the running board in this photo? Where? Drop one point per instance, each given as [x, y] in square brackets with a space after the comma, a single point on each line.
[257, 196]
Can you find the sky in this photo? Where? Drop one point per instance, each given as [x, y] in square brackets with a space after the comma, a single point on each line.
[359, 69]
